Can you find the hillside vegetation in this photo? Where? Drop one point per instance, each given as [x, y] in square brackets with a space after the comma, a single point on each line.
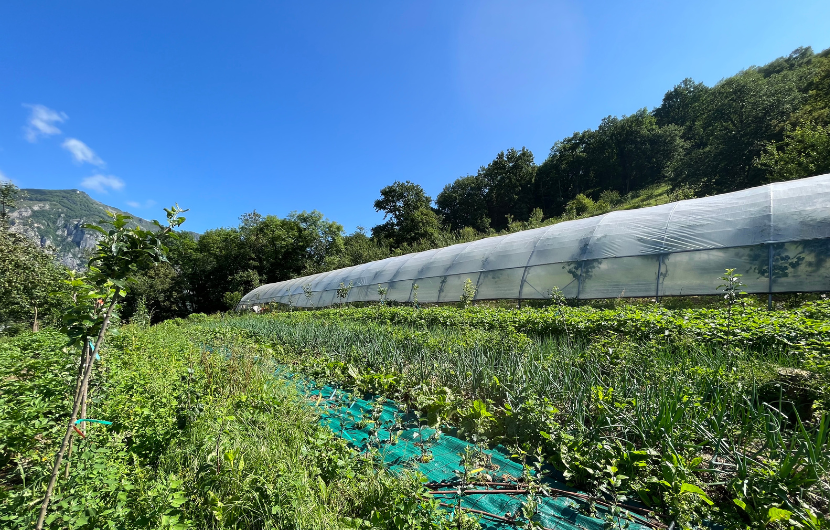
[764, 124]
[55, 219]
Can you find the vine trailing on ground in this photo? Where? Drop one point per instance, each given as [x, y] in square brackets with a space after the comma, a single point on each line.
[120, 254]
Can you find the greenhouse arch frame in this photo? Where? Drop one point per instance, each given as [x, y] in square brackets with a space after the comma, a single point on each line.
[777, 236]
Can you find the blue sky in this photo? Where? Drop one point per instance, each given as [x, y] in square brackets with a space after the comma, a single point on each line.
[227, 107]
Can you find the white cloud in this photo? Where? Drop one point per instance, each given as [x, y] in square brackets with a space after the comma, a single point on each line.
[42, 122]
[100, 183]
[81, 152]
[147, 204]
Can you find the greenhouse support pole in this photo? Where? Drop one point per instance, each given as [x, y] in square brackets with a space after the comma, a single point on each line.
[659, 266]
[769, 288]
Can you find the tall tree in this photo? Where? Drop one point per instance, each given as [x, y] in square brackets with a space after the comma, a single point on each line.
[682, 105]
[8, 201]
[634, 152]
[464, 204]
[509, 179]
[28, 279]
[742, 115]
[804, 152]
[567, 172]
[408, 214]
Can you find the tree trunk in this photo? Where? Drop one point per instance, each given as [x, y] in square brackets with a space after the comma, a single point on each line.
[34, 323]
[75, 409]
[81, 369]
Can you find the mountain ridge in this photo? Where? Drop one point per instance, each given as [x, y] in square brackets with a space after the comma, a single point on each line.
[55, 219]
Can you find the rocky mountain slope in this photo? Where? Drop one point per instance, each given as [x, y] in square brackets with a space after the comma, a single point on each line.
[55, 220]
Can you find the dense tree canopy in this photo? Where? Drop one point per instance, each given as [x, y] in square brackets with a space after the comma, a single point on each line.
[409, 216]
[30, 282]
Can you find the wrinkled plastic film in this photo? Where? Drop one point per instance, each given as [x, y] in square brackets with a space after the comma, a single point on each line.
[674, 249]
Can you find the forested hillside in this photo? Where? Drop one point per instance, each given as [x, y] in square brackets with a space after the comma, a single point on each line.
[764, 124]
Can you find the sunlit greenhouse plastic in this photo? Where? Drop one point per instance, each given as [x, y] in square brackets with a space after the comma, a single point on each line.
[777, 236]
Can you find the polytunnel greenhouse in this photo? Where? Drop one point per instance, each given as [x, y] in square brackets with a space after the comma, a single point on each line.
[777, 236]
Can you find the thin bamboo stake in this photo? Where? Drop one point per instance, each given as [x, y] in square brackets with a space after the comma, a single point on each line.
[70, 426]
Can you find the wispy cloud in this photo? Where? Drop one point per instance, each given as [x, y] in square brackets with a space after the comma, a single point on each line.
[136, 204]
[100, 183]
[42, 122]
[81, 152]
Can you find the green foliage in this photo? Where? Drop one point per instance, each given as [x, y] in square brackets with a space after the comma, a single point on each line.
[263, 249]
[232, 300]
[468, 292]
[203, 436]
[30, 282]
[758, 330]
[410, 217]
[36, 374]
[8, 201]
[463, 203]
[804, 152]
[636, 402]
[343, 291]
[142, 316]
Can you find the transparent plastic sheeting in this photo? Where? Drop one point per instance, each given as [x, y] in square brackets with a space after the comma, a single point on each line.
[674, 249]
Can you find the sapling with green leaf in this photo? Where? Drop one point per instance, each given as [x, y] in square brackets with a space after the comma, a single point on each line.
[468, 292]
[382, 290]
[732, 291]
[308, 293]
[120, 254]
[343, 292]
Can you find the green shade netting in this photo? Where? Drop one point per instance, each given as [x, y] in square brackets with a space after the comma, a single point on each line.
[363, 422]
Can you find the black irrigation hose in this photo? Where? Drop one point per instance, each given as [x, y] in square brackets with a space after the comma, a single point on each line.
[485, 514]
[640, 513]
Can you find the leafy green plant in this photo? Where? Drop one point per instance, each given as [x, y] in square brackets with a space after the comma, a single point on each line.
[382, 290]
[308, 293]
[142, 316]
[731, 288]
[630, 388]
[119, 254]
[468, 292]
[343, 292]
